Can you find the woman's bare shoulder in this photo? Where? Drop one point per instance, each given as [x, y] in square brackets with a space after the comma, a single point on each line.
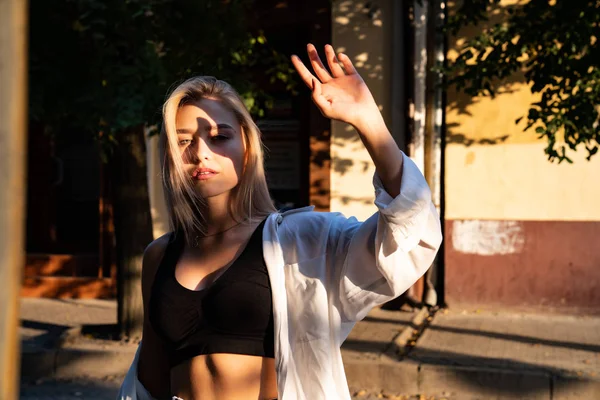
[152, 257]
[157, 247]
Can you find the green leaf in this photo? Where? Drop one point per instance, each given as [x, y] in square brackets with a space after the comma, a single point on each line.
[561, 64]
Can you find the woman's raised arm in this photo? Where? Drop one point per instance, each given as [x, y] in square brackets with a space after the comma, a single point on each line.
[341, 94]
[380, 258]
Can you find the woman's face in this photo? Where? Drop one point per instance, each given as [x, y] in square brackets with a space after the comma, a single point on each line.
[211, 146]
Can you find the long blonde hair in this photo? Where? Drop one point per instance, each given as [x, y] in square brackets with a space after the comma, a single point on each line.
[249, 200]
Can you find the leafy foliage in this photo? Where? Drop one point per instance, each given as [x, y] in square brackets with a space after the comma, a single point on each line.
[102, 66]
[555, 44]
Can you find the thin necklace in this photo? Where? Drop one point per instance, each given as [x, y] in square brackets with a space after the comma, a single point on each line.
[197, 239]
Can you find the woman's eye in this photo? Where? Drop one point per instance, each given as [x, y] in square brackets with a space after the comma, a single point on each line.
[220, 137]
[184, 142]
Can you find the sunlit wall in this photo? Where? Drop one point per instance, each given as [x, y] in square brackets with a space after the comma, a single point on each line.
[520, 231]
[365, 36]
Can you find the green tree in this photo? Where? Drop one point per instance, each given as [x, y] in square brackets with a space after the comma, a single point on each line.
[103, 67]
[555, 44]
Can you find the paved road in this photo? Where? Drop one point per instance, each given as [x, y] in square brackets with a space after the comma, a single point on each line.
[107, 389]
[71, 389]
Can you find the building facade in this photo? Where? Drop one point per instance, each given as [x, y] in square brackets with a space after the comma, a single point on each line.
[520, 232]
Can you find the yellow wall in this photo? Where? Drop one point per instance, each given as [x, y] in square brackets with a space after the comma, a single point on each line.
[368, 43]
[495, 171]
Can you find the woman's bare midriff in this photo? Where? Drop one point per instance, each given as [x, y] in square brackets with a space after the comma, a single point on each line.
[225, 377]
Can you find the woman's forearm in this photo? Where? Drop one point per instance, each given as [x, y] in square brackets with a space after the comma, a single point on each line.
[383, 150]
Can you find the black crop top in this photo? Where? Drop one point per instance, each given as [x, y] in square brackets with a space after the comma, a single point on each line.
[232, 315]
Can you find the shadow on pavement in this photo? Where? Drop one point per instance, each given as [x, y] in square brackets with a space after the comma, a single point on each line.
[517, 338]
[101, 331]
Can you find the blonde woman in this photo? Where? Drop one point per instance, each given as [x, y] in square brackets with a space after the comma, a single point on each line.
[243, 302]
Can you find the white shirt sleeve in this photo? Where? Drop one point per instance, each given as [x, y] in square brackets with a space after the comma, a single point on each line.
[379, 259]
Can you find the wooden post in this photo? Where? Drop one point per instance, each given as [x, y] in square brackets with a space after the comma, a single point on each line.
[133, 227]
[13, 104]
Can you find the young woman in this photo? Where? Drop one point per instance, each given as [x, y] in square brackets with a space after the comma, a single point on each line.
[243, 302]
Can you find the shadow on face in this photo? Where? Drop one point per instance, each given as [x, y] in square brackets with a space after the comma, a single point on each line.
[210, 143]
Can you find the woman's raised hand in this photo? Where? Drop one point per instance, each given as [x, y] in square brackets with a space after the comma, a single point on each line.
[340, 93]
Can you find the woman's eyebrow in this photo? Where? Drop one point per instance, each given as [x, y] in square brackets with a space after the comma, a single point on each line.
[225, 126]
[209, 128]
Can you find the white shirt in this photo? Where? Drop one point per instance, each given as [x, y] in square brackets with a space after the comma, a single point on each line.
[327, 272]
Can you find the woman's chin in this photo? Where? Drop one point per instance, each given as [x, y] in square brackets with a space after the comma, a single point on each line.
[211, 193]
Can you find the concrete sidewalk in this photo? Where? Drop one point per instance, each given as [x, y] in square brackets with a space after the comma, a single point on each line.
[453, 354]
[479, 355]
[55, 342]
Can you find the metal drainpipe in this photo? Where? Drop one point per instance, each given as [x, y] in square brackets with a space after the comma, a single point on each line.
[427, 110]
[417, 146]
[434, 136]
[419, 110]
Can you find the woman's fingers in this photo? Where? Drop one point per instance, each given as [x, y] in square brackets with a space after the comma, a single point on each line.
[318, 98]
[322, 74]
[332, 61]
[347, 63]
[317, 65]
[304, 73]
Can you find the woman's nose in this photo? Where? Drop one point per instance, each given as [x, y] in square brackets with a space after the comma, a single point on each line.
[203, 151]
[198, 150]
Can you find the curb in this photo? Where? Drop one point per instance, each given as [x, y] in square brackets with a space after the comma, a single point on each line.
[91, 361]
[387, 371]
[402, 340]
[71, 356]
[465, 383]
[401, 375]
[66, 357]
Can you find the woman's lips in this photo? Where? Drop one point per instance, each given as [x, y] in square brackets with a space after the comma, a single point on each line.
[203, 174]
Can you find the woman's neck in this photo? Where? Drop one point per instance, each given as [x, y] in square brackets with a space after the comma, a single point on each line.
[218, 216]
